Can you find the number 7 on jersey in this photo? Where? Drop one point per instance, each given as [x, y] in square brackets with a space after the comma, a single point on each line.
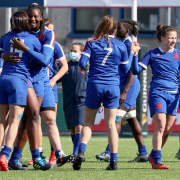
[107, 55]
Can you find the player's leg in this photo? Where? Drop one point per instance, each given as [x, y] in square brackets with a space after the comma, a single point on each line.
[169, 123]
[106, 155]
[159, 123]
[52, 158]
[30, 128]
[72, 129]
[158, 110]
[48, 115]
[15, 112]
[89, 117]
[109, 116]
[137, 133]
[79, 123]
[77, 139]
[4, 113]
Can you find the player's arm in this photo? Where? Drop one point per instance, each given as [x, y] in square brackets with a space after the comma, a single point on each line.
[126, 88]
[64, 68]
[85, 55]
[125, 63]
[42, 58]
[143, 64]
[61, 60]
[8, 56]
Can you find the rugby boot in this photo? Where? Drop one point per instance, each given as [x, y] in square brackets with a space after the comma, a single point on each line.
[140, 158]
[79, 159]
[105, 156]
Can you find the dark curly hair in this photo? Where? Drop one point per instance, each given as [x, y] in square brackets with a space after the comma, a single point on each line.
[42, 24]
[130, 25]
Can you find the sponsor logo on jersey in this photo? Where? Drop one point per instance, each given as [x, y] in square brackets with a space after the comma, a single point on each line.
[159, 106]
[176, 56]
[158, 55]
[29, 84]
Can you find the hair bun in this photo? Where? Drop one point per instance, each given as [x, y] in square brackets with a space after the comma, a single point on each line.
[159, 27]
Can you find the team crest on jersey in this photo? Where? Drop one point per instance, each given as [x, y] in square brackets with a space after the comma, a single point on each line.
[82, 72]
[29, 84]
[176, 56]
[158, 55]
[41, 37]
[159, 106]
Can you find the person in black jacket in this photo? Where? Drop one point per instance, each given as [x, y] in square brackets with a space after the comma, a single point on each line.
[74, 84]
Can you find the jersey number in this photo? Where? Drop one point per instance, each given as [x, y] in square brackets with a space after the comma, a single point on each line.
[107, 55]
[16, 50]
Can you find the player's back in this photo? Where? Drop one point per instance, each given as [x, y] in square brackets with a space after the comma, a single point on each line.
[124, 76]
[105, 60]
[22, 67]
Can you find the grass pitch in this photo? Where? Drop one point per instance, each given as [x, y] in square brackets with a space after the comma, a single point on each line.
[93, 169]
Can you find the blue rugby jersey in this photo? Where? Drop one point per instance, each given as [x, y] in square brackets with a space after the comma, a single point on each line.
[47, 42]
[58, 56]
[20, 69]
[165, 68]
[0, 63]
[104, 60]
[124, 76]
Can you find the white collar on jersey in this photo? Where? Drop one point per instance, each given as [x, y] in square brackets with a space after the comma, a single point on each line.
[129, 37]
[36, 31]
[164, 52]
[111, 36]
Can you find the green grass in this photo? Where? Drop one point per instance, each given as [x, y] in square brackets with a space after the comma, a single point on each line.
[93, 169]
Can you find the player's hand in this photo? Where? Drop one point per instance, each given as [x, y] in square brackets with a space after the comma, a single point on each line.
[52, 83]
[10, 58]
[123, 97]
[18, 44]
[102, 106]
[135, 47]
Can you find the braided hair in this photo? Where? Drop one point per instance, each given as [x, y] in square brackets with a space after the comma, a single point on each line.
[42, 24]
[130, 25]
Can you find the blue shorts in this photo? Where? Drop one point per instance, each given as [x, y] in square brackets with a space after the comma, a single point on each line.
[132, 94]
[163, 102]
[13, 90]
[74, 114]
[39, 87]
[55, 93]
[101, 93]
[48, 98]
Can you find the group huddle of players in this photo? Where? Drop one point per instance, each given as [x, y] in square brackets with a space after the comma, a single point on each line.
[101, 74]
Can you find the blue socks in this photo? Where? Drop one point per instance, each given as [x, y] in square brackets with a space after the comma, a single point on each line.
[35, 154]
[113, 157]
[16, 155]
[51, 147]
[72, 137]
[151, 154]
[77, 139]
[157, 156]
[6, 150]
[82, 147]
[142, 150]
[57, 153]
[108, 149]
